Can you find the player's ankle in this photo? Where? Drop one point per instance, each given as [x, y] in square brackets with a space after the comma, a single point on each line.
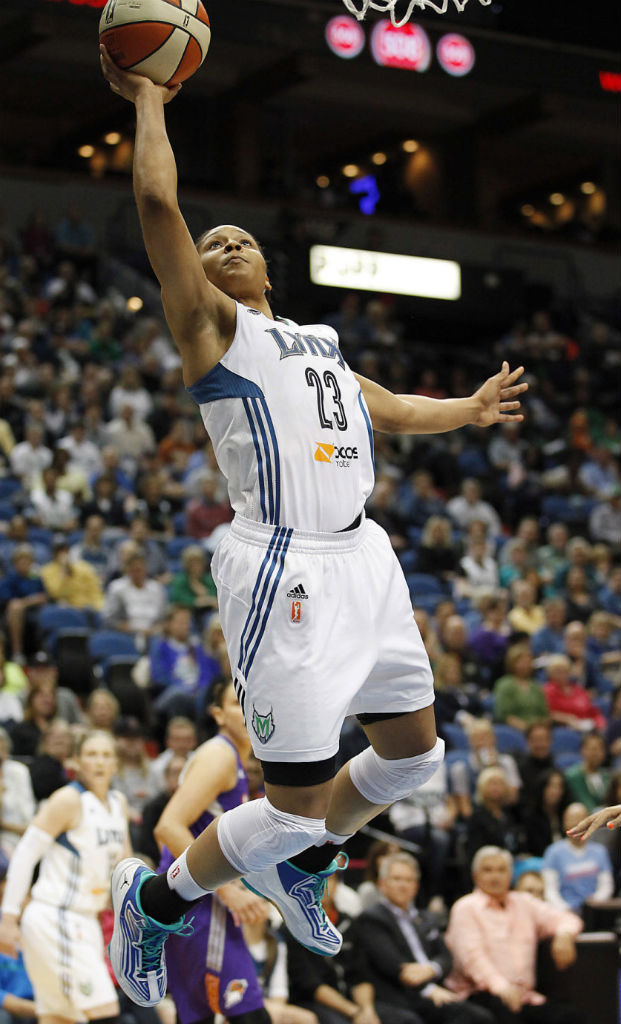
[161, 903]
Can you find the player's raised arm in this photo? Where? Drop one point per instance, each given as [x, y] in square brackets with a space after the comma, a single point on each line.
[608, 816]
[200, 316]
[496, 401]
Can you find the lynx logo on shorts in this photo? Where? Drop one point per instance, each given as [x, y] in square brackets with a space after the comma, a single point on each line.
[263, 725]
[234, 992]
[342, 456]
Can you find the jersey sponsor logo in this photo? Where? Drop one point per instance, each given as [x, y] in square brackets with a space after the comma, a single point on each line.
[234, 992]
[263, 725]
[341, 456]
[298, 593]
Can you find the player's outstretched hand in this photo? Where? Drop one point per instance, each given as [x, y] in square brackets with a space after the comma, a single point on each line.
[127, 84]
[609, 816]
[497, 398]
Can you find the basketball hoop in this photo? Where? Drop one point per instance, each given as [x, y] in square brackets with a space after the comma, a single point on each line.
[359, 8]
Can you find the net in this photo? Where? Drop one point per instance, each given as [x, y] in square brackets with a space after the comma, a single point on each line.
[359, 8]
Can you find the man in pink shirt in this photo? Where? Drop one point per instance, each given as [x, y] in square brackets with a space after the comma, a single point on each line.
[493, 935]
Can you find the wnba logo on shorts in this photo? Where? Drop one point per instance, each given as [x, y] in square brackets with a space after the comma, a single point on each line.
[296, 611]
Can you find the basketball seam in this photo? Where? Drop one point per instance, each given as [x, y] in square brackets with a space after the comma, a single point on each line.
[182, 57]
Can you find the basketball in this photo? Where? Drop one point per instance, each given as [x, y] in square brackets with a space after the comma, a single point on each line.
[164, 40]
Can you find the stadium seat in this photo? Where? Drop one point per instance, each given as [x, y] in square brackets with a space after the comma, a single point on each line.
[408, 560]
[508, 739]
[176, 546]
[455, 736]
[9, 485]
[422, 583]
[7, 510]
[53, 618]
[179, 523]
[427, 602]
[566, 760]
[40, 535]
[110, 643]
[565, 740]
[73, 661]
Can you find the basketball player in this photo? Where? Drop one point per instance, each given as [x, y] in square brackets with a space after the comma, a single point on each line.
[78, 836]
[212, 971]
[314, 606]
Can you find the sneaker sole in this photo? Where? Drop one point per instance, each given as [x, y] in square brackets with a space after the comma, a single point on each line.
[311, 949]
[116, 941]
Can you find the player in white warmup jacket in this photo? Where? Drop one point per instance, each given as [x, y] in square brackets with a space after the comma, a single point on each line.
[314, 606]
[78, 836]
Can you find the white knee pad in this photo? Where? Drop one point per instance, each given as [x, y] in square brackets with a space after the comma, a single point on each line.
[382, 782]
[256, 835]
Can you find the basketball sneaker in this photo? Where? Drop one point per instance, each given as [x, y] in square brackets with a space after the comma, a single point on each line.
[297, 895]
[137, 944]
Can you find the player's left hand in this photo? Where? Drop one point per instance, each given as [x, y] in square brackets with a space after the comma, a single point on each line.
[497, 398]
[129, 85]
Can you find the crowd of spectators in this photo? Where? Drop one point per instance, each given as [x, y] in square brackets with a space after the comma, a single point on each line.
[111, 504]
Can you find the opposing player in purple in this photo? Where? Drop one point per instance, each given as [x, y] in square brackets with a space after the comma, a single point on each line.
[212, 971]
[314, 605]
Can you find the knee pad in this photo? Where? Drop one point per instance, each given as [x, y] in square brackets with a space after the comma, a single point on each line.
[256, 835]
[382, 782]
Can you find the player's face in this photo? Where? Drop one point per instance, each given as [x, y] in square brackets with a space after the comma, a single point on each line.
[233, 261]
[97, 761]
[231, 717]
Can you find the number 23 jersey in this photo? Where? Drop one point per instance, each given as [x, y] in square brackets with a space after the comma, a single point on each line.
[289, 425]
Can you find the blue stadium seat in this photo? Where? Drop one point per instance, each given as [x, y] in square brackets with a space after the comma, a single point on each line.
[7, 510]
[427, 602]
[508, 739]
[110, 643]
[565, 740]
[566, 760]
[452, 757]
[9, 485]
[54, 617]
[455, 736]
[176, 546]
[424, 583]
[179, 523]
[408, 560]
[39, 535]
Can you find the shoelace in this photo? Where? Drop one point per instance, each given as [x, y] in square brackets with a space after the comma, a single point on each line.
[153, 941]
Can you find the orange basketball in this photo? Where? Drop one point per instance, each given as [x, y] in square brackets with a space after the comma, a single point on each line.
[164, 40]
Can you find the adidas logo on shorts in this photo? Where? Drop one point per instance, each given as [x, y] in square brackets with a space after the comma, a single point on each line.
[298, 593]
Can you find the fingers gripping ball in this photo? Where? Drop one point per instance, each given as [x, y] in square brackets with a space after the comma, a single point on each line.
[164, 40]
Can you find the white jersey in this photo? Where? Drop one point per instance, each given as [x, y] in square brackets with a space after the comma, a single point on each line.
[289, 426]
[75, 872]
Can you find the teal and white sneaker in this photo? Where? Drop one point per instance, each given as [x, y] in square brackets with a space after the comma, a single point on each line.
[137, 944]
[298, 895]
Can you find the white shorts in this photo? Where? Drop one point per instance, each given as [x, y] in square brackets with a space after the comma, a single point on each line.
[318, 626]
[64, 959]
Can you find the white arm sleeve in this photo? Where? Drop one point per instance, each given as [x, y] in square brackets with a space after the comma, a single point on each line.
[27, 854]
[552, 889]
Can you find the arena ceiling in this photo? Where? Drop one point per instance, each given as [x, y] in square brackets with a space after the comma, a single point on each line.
[535, 91]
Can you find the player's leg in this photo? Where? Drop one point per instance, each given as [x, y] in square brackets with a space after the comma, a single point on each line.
[51, 1018]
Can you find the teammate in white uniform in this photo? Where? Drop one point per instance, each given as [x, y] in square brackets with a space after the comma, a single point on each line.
[314, 605]
[78, 836]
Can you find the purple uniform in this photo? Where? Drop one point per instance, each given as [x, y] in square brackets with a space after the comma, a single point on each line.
[212, 971]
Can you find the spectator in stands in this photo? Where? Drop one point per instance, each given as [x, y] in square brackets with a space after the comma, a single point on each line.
[544, 806]
[82, 452]
[154, 507]
[102, 710]
[518, 697]
[17, 802]
[568, 703]
[488, 642]
[134, 603]
[130, 436]
[112, 467]
[612, 738]
[70, 477]
[74, 239]
[575, 870]
[130, 392]
[470, 505]
[603, 643]
[133, 776]
[40, 709]
[52, 763]
[428, 633]
[207, 511]
[152, 809]
[605, 520]
[609, 595]
[406, 957]
[478, 569]
[42, 671]
[176, 447]
[21, 595]
[584, 667]
[269, 953]
[13, 684]
[11, 411]
[181, 740]
[483, 753]
[454, 702]
[368, 891]
[589, 780]
[515, 565]
[194, 588]
[181, 671]
[492, 821]
[578, 554]
[454, 640]
[599, 474]
[493, 935]
[30, 457]
[579, 600]
[7, 443]
[51, 506]
[531, 882]
[17, 1004]
[91, 547]
[105, 503]
[139, 539]
[538, 757]
[525, 616]
[72, 583]
[420, 500]
[550, 638]
[551, 557]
